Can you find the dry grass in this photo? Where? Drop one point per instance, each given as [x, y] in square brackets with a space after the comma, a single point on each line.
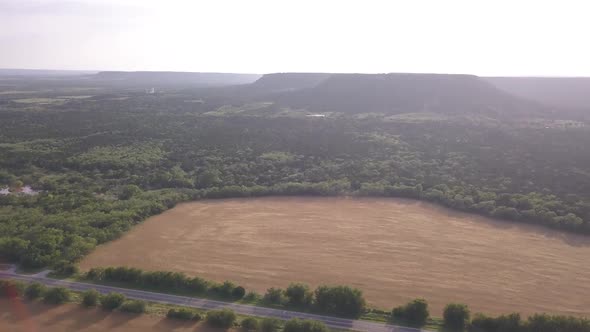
[37, 317]
[392, 249]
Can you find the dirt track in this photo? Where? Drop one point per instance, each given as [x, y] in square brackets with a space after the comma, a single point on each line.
[393, 250]
[36, 317]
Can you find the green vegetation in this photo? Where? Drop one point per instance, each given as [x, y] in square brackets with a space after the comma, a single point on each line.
[112, 301]
[456, 316]
[90, 298]
[134, 306]
[340, 301]
[269, 325]
[249, 324]
[536, 323]
[57, 295]
[173, 282]
[414, 313]
[298, 295]
[34, 291]
[299, 325]
[183, 314]
[223, 318]
[274, 296]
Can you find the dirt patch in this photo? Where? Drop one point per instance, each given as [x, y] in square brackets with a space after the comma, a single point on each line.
[36, 317]
[392, 249]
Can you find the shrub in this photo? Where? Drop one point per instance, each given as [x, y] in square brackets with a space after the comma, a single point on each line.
[238, 292]
[546, 323]
[57, 295]
[224, 290]
[223, 318]
[340, 300]
[34, 290]
[250, 324]
[509, 323]
[298, 295]
[112, 301]
[314, 326]
[414, 313]
[184, 314]
[456, 316]
[273, 296]
[95, 273]
[136, 306]
[269, 325]
[197, 285]
[252, 296]
[65, 268]
[298, 325]
[90, 298]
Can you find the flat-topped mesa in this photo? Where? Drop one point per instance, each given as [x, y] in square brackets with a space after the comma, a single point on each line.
[406, 93]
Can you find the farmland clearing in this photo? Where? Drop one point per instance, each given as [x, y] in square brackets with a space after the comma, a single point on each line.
[392, 249]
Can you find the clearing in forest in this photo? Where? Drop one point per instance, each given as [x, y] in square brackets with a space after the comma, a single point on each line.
[392, 249]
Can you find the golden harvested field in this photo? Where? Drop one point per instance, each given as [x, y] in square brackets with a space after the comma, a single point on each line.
[392, 249]
[37, 317]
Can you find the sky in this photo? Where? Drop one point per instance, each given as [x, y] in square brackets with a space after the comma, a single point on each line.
[482, 37]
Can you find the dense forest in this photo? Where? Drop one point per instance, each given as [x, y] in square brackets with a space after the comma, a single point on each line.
[103, 159]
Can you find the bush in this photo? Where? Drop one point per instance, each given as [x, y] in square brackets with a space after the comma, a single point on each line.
[90, 298]
[456, 316]
[238, 292]
[224, 290]
[57, 295]
[65, 268]
[340, 300]
[136, 307]
[34, 290]
[546, 323]
[184, 314]
[112, 301]
[95, 273]
[250, 324]
[414, 313]
[273, 296]
[269, 325]
[504, 323]
[223, 318]
[298, 325]
[298, 295]
[252, 296]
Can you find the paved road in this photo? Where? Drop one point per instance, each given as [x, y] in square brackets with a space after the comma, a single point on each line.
[244, 309]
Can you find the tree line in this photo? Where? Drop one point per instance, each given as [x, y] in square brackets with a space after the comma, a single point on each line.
[335, 300]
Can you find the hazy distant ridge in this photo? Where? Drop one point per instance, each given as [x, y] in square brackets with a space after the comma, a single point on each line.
[176, 78]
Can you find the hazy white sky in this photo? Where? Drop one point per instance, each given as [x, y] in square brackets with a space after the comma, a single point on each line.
[485, 37]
